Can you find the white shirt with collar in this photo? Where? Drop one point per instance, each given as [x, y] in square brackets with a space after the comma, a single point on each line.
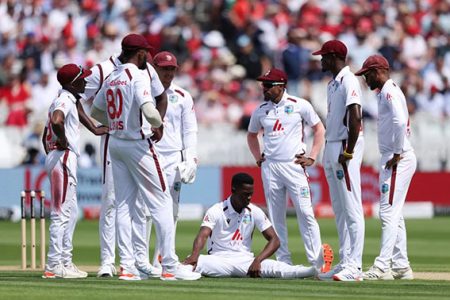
[283, 126]
[125, 90]
[102, 70]
[180, 123]
[342, 91]
[66, 103]
[232, 231]
[393, 120]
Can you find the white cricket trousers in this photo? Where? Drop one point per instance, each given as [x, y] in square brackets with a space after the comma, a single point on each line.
[237, 264]
[61, 167]
[170, 160]
[279, 179]
[394, 184]
[142, 223]
[107, 222]
[344, 182]
[136, 170]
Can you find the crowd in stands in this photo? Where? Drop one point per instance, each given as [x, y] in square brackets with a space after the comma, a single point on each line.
[222, 46]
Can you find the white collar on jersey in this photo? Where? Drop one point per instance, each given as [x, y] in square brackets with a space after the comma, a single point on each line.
[227, 206]
[345, 70]
[283, 99]
[386, 86]
[68, 94]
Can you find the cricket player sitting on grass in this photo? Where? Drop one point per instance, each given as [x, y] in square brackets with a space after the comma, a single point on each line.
[229, 226]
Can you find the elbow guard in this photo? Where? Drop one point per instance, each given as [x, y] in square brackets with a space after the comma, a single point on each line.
[152, 115]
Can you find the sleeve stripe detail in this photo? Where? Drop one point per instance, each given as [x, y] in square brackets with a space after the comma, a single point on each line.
[128, 74]
[100, 69]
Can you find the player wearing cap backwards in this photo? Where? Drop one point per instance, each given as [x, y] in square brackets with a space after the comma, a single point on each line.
[130, 112]
[284, 162]
[178, 147]
[397, 166]
[107, 223]
[61, 143]
[228, 226]
[342, 160]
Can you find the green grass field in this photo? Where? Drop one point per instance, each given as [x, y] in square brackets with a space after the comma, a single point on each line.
[428, 245]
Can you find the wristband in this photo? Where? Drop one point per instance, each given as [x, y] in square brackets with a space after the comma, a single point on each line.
[347, 155]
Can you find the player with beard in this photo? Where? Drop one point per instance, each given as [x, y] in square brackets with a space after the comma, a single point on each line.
[126, 104]
[284, 161]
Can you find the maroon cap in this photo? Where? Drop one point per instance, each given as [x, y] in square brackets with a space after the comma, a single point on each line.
[69, 73]
[135, 41]
[333, 46]
[373, 62]
[165, 59]
[273, 75]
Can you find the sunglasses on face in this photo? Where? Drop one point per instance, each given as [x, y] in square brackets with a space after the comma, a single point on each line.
[269, 85]
[78, 75]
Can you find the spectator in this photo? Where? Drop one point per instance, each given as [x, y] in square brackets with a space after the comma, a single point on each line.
[413, 37]
[295, 61]
[16, 95]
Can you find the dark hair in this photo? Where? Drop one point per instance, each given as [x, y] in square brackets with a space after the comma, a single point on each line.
[240, 179]
[127, 54]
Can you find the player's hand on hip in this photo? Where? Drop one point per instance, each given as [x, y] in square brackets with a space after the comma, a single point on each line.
[101, 130]
[304, 161]
[255, 269]
[393, 161]
[62, 144]
[260, 160]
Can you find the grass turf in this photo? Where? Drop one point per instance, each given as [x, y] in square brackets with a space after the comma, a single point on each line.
[428, 246]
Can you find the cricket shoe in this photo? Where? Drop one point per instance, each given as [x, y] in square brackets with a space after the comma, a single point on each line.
[349, 273]
[57, 271]
[328, 276]
[72, 271]
[375, 273]
[403, 273]
[327, 256]
[108, 270]
[130, 274]
[149, 270]
[183, 272]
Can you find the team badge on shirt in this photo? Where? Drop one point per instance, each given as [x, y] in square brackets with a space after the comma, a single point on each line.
[173, 98]
[384, 188]
[289, 109]
[340, 174]
[246, 219]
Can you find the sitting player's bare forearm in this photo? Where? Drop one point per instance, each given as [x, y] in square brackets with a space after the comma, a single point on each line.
[199, 244]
